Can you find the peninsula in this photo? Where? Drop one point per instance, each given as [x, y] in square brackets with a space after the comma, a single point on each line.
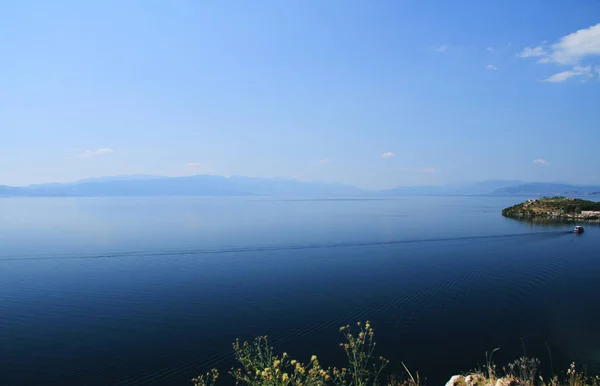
[560, 208]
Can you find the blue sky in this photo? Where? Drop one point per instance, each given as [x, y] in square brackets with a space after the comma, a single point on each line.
[371, 93]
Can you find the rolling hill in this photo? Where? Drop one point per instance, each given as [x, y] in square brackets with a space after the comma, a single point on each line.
[209, 185]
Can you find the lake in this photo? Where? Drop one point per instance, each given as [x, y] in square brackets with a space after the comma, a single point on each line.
[134, 291]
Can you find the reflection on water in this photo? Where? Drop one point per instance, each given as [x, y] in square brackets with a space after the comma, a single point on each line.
[140, 291]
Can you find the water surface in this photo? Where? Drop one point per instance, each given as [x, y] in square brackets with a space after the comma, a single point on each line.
[153, 290]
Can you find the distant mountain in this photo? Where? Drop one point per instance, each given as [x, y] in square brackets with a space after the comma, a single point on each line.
[498, 188]
[201, 185]
[121, 178]
[460, 189]
[485, 187]
[207, 185]
[539, 189]
[7, 191]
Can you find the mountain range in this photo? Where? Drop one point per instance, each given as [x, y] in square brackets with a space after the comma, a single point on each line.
[209, 185]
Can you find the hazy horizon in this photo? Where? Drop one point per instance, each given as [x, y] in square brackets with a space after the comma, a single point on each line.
[375, 95]
[154, 176]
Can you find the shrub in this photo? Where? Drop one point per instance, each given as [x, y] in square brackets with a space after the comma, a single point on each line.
[261, 366]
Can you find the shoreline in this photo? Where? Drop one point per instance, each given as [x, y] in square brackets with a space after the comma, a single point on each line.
[555, 209]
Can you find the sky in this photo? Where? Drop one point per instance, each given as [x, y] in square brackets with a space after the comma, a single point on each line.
[371, 93]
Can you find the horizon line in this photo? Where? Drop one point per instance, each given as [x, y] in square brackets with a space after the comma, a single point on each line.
[157, 176]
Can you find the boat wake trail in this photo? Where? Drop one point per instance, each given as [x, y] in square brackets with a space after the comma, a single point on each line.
[270, 248]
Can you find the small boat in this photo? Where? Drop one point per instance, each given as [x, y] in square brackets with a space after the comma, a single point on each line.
[578, 229]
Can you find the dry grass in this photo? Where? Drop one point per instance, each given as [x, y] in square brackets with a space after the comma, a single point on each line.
[524, 372]
[259, 365]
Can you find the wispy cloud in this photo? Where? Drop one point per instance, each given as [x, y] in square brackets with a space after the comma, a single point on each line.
[97, 152]
[387, 154]
[428, 170]
[559, 77]
[490, 49]
[529, 52]
[324, 161]
[541, 162]
[491, 67]
[569, 50]
[562, 76]
[440, 48]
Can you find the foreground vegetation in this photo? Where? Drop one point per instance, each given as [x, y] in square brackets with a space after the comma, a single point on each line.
[558, 207]
[261, 366]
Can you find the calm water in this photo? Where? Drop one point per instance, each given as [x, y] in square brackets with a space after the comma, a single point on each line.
[139, 291]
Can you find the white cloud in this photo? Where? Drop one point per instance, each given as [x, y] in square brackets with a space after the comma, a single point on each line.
[387, 154]
[101, 151]
[575, 71]
[428, 170]
[324, 161]
[491, 67]
[541, 162]
[575, 46]
[584, 71]
[559, 77]
[491, 49]
[569, 49]
[532, 52]
[440, 48]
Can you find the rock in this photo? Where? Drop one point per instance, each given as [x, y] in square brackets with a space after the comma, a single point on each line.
[457, 380]
[509, 382]
[475, 380]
